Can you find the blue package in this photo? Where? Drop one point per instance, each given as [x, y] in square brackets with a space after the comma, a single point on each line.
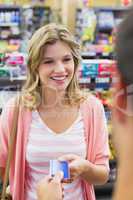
[56, 166]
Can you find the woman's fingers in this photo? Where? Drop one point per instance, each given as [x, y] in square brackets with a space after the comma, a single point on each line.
[46, 179]
[58, 177]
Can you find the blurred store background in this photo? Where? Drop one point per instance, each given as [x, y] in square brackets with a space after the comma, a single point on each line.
[94, 24]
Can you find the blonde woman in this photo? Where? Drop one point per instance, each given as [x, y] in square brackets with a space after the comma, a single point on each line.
[56, 121]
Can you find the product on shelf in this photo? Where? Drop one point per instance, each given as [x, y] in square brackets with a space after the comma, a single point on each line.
[89, 69]
[12, 65]
[106, 20]
[8, 17]
[2, 59]
[97, 75]
[106, 97]
[89, 25]
[34, 17]
[94, 28]
[4, 73]
[14, 59]
[112, 149]
[97, 50]
[10, 28]
[100, 71]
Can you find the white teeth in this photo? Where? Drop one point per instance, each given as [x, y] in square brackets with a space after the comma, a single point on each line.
[58, 78]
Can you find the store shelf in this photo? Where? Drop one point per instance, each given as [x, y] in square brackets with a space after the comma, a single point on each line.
[103, 20]
[94, 55]
[35, 16]
[14, 82]
[11, 37]
[117, 8]
[8, 24]
[10, 27]
[9, 7]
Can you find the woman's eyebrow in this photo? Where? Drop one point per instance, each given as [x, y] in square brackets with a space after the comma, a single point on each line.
[47, 58]
[67, 55]
[64, 56]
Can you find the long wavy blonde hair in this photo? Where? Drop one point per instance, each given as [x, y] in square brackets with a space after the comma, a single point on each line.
[31, 91]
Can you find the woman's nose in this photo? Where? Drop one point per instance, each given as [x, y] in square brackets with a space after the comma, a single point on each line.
[59, 68]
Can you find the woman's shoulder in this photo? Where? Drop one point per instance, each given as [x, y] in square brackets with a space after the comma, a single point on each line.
[7, 110]
[10, 106]
[93, 107]
[10, 103]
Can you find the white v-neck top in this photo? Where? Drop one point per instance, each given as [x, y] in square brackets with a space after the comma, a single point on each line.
[44, 145]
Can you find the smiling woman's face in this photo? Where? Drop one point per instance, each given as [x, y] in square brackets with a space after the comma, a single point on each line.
[57, 68]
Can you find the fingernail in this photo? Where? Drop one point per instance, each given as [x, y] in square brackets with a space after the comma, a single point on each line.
[61, 174]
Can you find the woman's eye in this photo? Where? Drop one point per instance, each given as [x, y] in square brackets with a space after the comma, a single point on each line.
[67, 59]
[48, 62]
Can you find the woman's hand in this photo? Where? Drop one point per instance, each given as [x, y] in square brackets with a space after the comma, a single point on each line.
[50, 188]
[77, 165]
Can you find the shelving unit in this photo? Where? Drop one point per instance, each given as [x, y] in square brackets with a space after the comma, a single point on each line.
[14, 83]
[96, 76]
[12, 75]
[17, 25]
[14, 34]
[96, 29]
[34, 17]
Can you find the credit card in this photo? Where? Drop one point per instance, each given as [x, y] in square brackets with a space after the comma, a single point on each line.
[56, 166]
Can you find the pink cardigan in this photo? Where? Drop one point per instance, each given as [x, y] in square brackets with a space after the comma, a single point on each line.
[95, 134]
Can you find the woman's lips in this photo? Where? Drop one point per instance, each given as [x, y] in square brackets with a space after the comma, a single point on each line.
[59, 79]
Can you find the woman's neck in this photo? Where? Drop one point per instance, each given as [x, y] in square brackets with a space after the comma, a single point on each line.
[52, 98]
